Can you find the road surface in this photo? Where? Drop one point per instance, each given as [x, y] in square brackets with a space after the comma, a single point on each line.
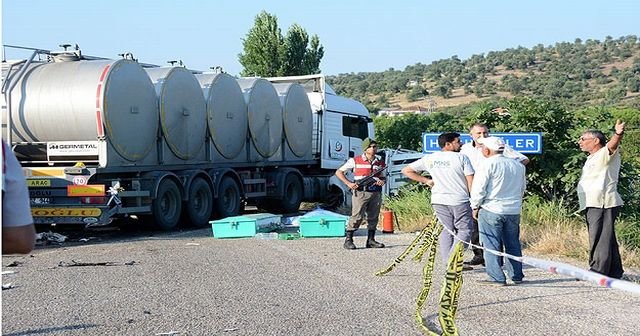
[188, 283]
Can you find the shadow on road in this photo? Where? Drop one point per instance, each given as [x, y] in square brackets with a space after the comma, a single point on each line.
[52, 329]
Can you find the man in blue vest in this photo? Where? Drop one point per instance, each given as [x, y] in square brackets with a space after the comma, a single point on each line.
[366, 200]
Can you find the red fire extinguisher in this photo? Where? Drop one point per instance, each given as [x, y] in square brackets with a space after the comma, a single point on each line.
[387, 221]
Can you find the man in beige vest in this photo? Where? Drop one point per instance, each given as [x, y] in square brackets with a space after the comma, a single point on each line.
[599, 198]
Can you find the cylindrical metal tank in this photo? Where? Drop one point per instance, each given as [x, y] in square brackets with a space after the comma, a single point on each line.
[182, 110]
[87, 100]
[296, 116]
[226, 112]
[264, 113]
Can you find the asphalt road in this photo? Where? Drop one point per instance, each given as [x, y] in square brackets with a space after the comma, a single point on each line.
[188, 283]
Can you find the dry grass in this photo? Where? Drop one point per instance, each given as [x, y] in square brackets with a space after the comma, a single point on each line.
[561, 239]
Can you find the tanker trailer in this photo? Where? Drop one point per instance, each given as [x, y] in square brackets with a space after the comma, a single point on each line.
[97, 143]
[67, 117]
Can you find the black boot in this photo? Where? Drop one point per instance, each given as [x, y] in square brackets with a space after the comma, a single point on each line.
[371, 241]
[348, 242]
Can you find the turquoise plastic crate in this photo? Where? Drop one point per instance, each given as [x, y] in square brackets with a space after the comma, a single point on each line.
[244, 226]
[233, 227]
[323, 226]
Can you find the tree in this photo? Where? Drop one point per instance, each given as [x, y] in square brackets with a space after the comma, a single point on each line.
[314, 55]
[295, 45]
[263, 47]
[267, 53]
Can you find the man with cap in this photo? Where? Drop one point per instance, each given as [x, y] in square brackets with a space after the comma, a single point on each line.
[473, 151]
[366, 200]
[496, 199]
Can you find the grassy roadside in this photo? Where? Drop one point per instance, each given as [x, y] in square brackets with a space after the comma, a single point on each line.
[547, 227]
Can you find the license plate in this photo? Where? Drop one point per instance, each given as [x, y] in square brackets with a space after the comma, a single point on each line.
[38, 183]
[66, 212]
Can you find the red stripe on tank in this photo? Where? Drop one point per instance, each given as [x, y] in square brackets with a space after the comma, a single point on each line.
[104, 72]
[98, 91]
[99, 123]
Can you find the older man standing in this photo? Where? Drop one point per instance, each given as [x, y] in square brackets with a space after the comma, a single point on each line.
[473, 151]
[496, 200]
[599, 198]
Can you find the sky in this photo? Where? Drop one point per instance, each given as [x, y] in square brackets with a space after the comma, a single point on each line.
[358, 36]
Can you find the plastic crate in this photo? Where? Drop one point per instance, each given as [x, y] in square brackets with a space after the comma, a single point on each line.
[322, 226]
[244, 226]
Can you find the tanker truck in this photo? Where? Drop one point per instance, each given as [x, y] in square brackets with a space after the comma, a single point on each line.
[101, 139]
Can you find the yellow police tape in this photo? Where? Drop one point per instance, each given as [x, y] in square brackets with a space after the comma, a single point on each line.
[427, 278]
[426, 231]
[450, 291]
[428, 240]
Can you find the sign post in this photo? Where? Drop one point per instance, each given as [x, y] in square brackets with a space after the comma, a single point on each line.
[530, 143]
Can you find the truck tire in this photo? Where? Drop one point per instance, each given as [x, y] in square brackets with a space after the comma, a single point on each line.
[334, 199]
[200, 204]
[293, 194]
[229, 199]
[167, 206]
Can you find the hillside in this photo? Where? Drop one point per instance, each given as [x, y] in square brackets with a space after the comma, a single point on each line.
[578, 74]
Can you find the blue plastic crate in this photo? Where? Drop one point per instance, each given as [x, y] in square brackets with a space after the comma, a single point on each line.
[322, 226]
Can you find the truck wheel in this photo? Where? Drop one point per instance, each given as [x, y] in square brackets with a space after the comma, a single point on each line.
[334, 200]
[167, 206]
[228, 202]
[200, 204]
[292, 194]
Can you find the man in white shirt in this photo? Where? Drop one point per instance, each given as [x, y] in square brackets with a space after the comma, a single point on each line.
[599, 198]
[496, 200]
[473, 151]
[450, 182]
[18, 232]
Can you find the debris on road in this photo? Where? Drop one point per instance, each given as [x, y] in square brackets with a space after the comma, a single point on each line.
[45, 238]
[15, 263]
[84, 240]
[74, 263]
